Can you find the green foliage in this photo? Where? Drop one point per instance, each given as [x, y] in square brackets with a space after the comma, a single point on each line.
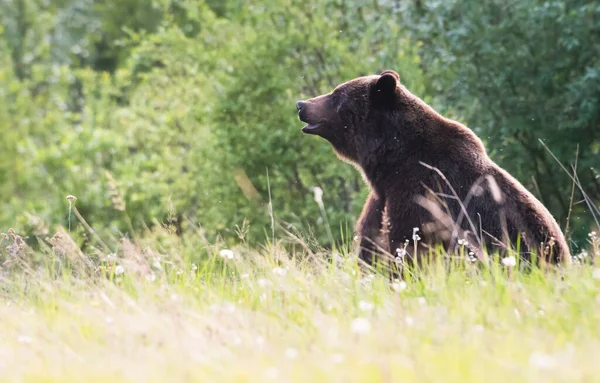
[193, 117]
[280, 58]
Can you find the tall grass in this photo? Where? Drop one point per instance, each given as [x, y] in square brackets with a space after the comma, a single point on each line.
[164, 309]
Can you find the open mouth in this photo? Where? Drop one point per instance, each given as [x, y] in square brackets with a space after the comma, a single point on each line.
[310, 128]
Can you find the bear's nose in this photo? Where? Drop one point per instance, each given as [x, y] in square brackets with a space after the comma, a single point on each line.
[300, 105]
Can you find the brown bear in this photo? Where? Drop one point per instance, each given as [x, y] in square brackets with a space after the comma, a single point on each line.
[430, 177]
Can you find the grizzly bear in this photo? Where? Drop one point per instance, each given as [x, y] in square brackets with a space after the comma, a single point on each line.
[430, 178]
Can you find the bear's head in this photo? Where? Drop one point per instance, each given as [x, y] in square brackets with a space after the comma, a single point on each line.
[352, 116]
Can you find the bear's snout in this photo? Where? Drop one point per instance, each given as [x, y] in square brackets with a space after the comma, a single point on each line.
[307, 116]
[302, 107]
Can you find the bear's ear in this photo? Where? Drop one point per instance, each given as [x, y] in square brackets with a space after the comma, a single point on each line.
[387, 82]
[392, 73]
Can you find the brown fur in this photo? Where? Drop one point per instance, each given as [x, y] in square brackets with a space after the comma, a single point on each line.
[428, 172]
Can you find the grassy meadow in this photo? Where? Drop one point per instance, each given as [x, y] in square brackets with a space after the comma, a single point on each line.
[195, 251]
[154, 311]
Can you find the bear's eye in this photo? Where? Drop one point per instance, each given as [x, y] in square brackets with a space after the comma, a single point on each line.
[336, 96]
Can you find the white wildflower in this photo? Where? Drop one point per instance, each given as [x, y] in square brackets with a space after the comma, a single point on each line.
[422, 301]
[227, 254]
[365, 306]
[263, 282]
[472, 257]
[416, 236]
[583, 255]
[318, 194]
[361, 326]
[509, 261]
[398, 286]
[291, 353]
[150, 277]
[541, 361]
[24, 339]
[280, 271]
[119, 270]
[111, 256]
[409, 321]
[400, 258]
[462, 242]
[194, 267]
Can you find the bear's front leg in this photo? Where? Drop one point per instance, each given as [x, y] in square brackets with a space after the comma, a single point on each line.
[369, 226]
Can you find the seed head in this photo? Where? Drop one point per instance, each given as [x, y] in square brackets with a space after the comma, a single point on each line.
[291, 353]
[399, 286]
[361, 326]
[365, 306]
[318, 194]
[280, 271]
[227, 254]
[509, 261]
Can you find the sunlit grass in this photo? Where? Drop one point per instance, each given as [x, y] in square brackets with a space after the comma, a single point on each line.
[150, 312]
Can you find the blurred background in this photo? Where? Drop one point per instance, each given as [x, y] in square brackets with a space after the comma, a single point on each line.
[168, 113]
